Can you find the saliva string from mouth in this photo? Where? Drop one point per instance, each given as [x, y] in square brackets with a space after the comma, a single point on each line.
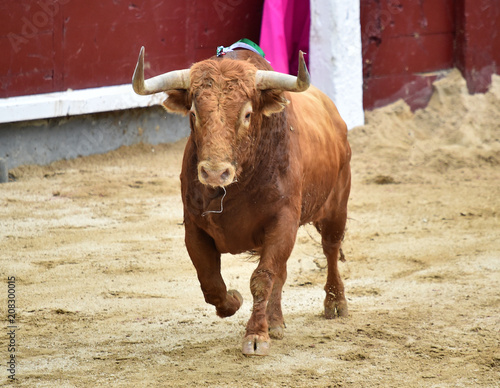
[221, 205]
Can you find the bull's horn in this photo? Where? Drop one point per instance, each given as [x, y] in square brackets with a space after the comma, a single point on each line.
[265, 80]
[178, 79]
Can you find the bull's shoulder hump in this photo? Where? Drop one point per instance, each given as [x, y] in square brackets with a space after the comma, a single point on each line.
[317, 101]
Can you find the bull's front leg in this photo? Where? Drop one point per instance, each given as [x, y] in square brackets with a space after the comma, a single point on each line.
[266, 284]
[206, 260]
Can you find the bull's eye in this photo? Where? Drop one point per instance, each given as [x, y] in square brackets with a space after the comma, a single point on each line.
[245, 116]
[193, 115]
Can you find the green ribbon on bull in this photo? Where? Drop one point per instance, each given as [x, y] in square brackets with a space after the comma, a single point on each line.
[242, 43]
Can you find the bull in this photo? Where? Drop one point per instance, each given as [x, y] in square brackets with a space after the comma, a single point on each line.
[267, 153]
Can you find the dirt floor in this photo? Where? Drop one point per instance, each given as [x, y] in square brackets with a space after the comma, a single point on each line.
[106, 294]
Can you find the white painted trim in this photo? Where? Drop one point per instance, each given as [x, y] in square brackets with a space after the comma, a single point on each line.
[74, 102]
[335, 57]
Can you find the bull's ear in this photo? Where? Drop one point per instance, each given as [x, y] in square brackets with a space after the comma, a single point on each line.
[177, 102]
[273, 102]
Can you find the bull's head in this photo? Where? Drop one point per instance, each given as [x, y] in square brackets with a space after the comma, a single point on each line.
[226, 101]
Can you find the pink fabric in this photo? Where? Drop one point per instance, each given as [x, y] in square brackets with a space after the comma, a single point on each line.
[285, 31]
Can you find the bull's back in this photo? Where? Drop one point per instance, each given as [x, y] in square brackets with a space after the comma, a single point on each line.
[319, 140]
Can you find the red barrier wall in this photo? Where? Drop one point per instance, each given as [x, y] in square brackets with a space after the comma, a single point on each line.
[53, 45]
[477, 42]
[401, 41]
[406, 41]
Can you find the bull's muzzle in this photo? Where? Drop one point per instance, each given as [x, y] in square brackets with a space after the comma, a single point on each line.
[216, 175]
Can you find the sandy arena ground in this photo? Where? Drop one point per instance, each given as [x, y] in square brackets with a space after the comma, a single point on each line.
[106, 294]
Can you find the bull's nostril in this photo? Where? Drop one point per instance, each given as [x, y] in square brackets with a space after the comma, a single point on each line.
[219, 174]
[225, 175]
[204, 173]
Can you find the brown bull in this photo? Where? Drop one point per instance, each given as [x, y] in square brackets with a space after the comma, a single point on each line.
[266, 154]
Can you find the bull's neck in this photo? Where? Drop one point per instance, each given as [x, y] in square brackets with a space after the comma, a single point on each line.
[269, 157]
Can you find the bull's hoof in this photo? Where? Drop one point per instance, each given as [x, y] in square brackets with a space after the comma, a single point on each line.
[233, 303]
[256, 345]
[277, 332]
[237, 295]
[337, 309]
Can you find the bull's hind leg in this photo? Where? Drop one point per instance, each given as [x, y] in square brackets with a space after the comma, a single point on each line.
[335, 301]
[332, 228]
[206, 260]
[332, 233]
